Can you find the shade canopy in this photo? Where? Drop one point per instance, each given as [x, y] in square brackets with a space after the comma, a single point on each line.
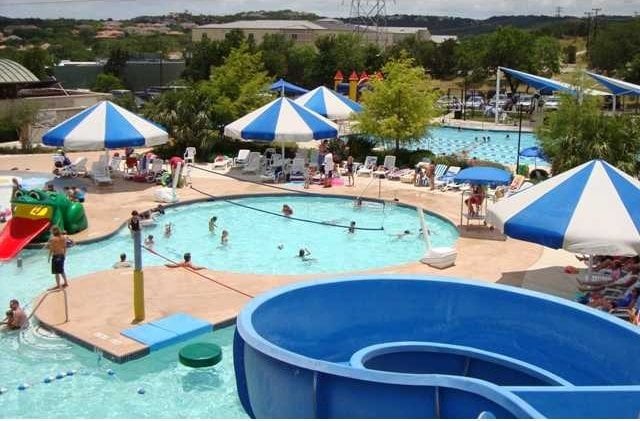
[590, 209]
[533, 152]
[483, 176]
[105, 125]
[282, 120]
[287, 87]
[538, 82]
[329, 103]
[545, 84]
[616, 86]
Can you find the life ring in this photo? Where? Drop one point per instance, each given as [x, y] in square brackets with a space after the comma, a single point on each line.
[201, 354]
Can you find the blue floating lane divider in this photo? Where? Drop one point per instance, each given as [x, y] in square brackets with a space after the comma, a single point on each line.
[167, 331]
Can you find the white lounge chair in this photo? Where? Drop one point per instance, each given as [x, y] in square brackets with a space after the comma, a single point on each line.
[155, 171]
[221, 163]
[388, 166]
[100, 174]
[190, 155]
[446, 182]
[297, 170]
[242, 158]
[368, 167]
[253, 163]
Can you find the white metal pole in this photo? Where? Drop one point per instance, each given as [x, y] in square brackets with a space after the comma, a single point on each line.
[614, 103]
[497, 92]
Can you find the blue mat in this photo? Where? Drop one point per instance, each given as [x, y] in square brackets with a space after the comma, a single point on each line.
[168, 330]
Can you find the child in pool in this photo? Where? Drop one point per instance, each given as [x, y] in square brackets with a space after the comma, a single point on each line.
[224, 239]
[212, 224]
[168, 229]
[149, 242]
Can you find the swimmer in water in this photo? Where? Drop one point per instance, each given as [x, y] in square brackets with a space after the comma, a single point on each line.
[149, 242]
[212, 224]
[352, 227]
[280, 246]
[224, 239]
[305, 255]
[286, 210]
[402, 234]
[168, 229]
[358, 202]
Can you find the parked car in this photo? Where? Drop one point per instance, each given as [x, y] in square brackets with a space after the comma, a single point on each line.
[502, 100]
[525, 101]
[448, 102]
[551, 103]
[474, 102]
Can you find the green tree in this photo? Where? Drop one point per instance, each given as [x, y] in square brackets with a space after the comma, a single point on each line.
[302, 59]
[579, 132]
[510, 47]
[615, 45]
[203, 55]
[399, 108]
[546, 56]
[275, 49]
[37, 60]
[106, 82]
[344, 52]
[194, 115]
[632, 70]
[20, 114]
[238, 86]
[118, 58]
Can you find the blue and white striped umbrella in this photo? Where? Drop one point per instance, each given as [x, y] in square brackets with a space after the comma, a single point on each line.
[282, 120]
[329, 103]
[105, 125]
[591, 209]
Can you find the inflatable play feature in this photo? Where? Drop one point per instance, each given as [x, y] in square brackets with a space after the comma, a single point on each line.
[417, 347]
[34, 211]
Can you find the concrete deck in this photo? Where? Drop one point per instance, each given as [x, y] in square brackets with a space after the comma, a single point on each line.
[100, 307]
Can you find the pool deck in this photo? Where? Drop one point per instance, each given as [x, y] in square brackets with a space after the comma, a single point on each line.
[100, 305]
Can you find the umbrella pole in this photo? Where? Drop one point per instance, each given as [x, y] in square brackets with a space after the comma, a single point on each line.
[590, 269]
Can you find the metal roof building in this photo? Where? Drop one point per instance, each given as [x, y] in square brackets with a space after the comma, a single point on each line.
[12, 72]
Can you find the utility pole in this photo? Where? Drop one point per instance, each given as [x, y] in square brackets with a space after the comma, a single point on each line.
[559, 11]
[588, 15]
[596, 10]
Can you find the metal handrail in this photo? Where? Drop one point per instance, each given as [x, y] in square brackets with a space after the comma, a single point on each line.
[45, 295]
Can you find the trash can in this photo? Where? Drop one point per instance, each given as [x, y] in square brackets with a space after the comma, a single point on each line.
[457, 114]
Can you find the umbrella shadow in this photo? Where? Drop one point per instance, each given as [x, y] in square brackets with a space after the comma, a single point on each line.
[549, 280]
[480, 232]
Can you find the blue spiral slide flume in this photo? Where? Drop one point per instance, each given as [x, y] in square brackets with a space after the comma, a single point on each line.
[431, 347]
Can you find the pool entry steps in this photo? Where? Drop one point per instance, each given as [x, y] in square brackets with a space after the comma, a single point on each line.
[168, 331]
[431, 347]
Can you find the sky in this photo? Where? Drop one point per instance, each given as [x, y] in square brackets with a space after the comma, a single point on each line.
[122, 9]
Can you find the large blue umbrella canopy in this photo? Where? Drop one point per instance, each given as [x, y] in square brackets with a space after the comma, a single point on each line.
[105, 125]
[591, 209]
[616, 86]
[483, 176]
[282, 120]
[287, 87]
[329, 103]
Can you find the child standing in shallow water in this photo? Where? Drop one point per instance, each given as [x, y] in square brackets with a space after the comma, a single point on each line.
[224, 239]
[212, 224]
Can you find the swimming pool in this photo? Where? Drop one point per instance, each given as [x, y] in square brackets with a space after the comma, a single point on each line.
[172, 390]
[498, 148]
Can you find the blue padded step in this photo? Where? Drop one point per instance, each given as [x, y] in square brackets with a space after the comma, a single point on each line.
[168, 330]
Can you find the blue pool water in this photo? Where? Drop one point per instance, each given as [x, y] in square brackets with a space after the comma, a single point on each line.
[172, 390]
[446, 140]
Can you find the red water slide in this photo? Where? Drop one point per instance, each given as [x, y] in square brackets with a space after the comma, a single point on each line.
[17, 233]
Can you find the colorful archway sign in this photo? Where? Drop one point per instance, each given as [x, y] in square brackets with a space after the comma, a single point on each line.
[201, 354]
